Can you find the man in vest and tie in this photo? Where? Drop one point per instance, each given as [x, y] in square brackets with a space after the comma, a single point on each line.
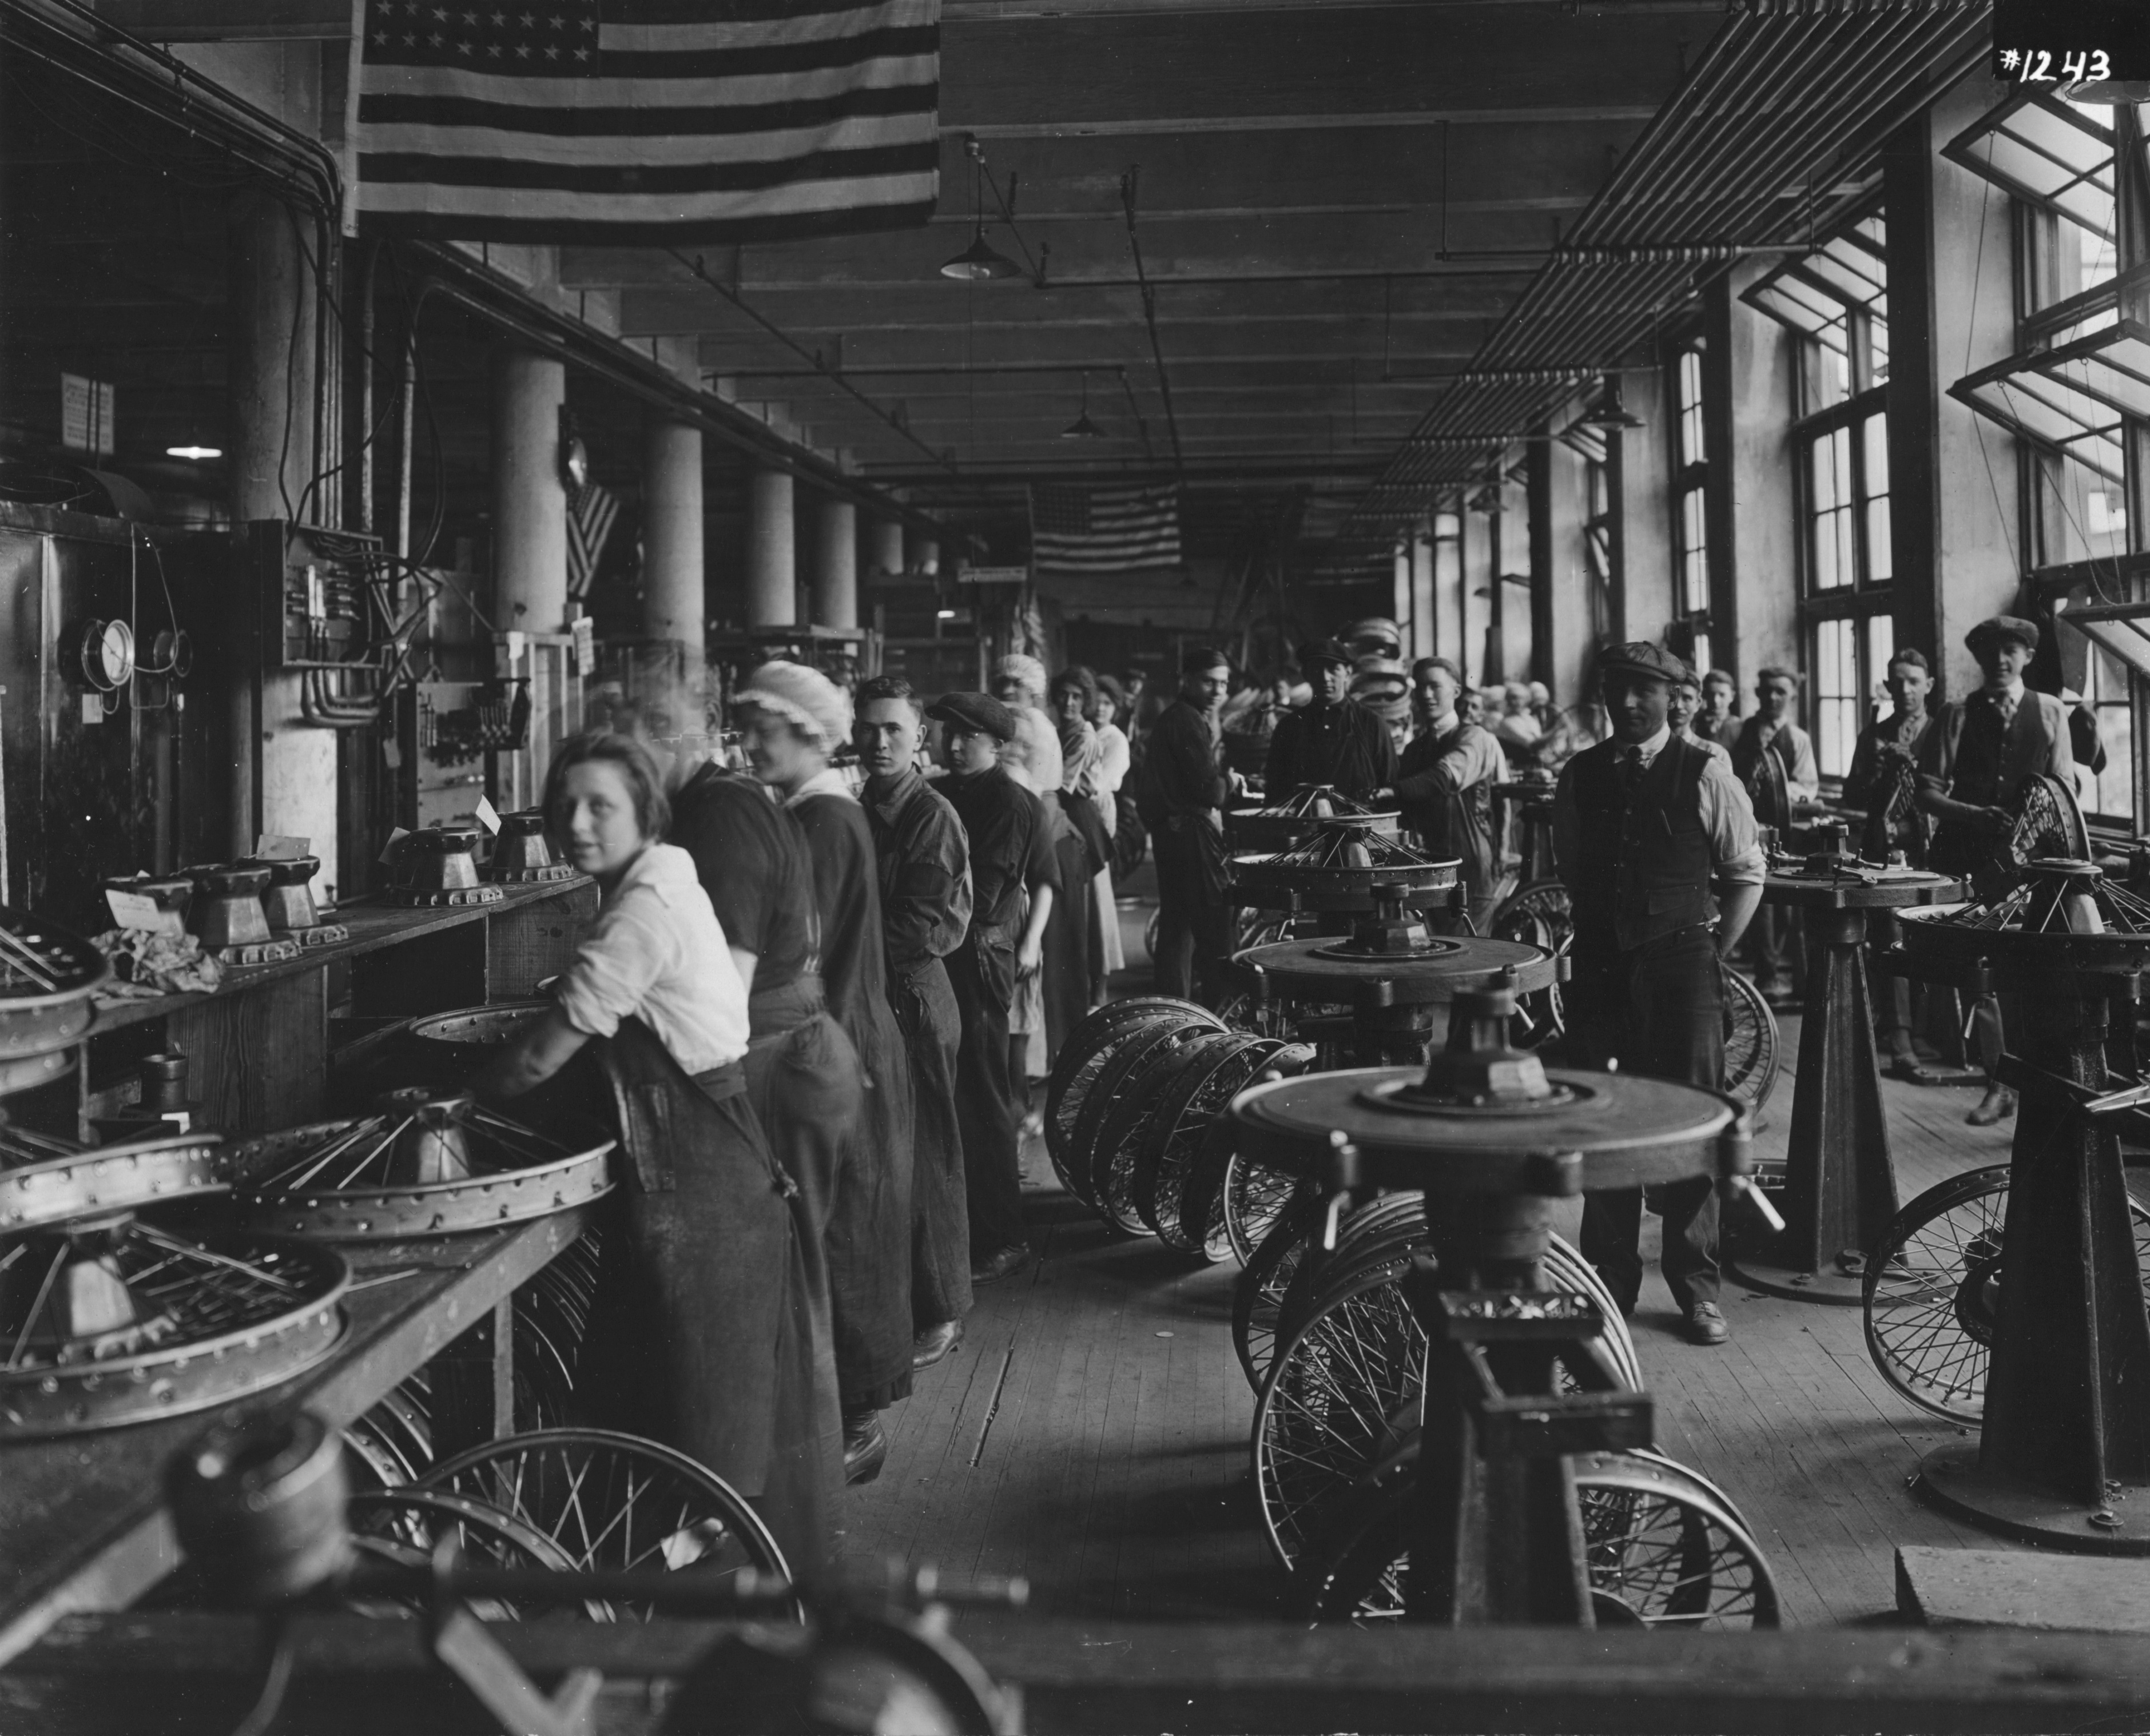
[1646, 827]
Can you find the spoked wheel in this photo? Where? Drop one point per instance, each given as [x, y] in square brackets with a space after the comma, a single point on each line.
[1116, 1150]
[1093, 1091]
[1933, 1292]
[1663, 1548]
[1210, 1076]
[1343, 1387]
[1264, 1282]
[609, 1501]
[392, 1444]
[1254, 1195]
[552, 1317]
[1539, 914]
[406, 1525]
[1089, 1047]
[1751, 1042]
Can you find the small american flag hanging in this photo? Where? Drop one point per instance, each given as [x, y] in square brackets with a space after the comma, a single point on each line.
[643, 122]
[1104, 530]
[590, 516]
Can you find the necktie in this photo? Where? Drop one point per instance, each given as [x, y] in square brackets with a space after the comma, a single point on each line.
[1631, 770]
[2005, 703]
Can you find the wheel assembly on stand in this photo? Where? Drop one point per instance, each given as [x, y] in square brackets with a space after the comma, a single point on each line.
[1449, 1312]
[2030, 1317]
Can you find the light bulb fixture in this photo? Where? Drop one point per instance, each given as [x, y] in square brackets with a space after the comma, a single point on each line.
[193, 454]
[1608, 413]
[978, 263]
[1082, 428]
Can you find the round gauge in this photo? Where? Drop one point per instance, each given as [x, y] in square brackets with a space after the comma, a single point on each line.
[171, 653]
[108, 654]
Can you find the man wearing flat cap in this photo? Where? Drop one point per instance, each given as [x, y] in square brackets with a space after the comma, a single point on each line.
[1334, 740]
[1181, 797]
[1646, 825]
[1775, 759]
[1975, 759]
[1010, 853]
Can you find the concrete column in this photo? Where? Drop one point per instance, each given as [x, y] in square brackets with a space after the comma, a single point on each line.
[674, 566]
[834, 579]
[884, 547]
[1954, 547]
[1403, 600]
[529, 499]
[1446, 550]
[1747, 383]
[1561, 615]
[1646, 603]
[771, 560]
[284, 770]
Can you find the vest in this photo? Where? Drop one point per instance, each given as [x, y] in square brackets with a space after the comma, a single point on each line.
[1643, 865]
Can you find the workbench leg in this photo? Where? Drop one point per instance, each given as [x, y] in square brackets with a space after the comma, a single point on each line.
[1840, 1174]
[474, 1384]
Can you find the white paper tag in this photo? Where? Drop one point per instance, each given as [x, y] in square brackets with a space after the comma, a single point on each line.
[92, 708]
[134, 910]
[395, 837]
[392, 753]
[273, 847]
[516, 644]
[585, 647]
[487, 817]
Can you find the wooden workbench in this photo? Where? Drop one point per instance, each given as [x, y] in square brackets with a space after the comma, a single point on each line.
[260, 1048]
[82, 1520]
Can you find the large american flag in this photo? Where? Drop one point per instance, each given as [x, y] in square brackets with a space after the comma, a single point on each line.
[644, 121]
[1104, 530]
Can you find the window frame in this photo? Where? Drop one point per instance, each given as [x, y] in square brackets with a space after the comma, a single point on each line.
[1690, 480]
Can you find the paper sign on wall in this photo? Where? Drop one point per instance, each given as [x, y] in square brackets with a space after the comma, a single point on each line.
[133, 910]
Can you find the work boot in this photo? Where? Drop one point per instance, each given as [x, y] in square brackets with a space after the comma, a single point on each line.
[935, 1343]
[1705, 1324]
[1997, 1104]
[866, 1447]
[1006, 1263]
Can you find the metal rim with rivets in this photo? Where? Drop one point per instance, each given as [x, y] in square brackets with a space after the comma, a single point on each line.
[240, 1313]
[109, 1179]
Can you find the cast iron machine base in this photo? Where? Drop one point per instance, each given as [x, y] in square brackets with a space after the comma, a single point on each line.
[2063, 1456]
[1493, 1139]
[1839, 1192]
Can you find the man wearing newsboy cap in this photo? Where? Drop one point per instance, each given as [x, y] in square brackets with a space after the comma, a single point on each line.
[1973, 764]
[1645, 826]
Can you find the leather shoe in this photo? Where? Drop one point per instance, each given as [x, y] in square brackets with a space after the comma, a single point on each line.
[1005, 1264]
[935, 1343]
[1705, 1324]
[865, 1448]
[1998, 1105]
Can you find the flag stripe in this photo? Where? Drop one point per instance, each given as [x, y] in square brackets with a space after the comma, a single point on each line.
[915, 62]
[802, 196]
[863, 132]
[653, 178]
[1106, 530]
[710, 116]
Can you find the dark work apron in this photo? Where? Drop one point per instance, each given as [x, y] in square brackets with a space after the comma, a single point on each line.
[932, 1028]
[711, 1332]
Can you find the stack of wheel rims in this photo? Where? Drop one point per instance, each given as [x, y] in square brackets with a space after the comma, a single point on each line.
[1134, 1116]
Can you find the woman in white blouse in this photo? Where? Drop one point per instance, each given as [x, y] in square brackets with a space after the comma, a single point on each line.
[711, 1329]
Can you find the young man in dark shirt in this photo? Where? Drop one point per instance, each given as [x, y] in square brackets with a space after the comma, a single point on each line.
[1181, 800]
[925, 909]
[1335, 740]
[1010, 854]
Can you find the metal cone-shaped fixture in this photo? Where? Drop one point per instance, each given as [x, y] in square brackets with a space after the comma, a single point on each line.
[979, 262]
[1608, 412]
[1082, 428]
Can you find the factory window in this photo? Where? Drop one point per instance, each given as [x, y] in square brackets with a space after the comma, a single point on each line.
[1835, 297]
[2077, 395]
[1690, 504]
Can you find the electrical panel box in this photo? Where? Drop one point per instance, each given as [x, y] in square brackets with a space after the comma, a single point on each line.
[317, 589]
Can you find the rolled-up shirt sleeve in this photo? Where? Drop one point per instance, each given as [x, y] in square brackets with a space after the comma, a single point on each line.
[616, 966]
[1727, 818]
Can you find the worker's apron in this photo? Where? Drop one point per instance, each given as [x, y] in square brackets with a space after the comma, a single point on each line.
[714, 1338]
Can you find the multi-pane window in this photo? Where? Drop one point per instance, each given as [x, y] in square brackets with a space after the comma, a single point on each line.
[2077, 395]
[1691, 500]
[1835, 298]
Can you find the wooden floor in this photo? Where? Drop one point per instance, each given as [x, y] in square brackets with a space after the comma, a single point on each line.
[1092, 1432]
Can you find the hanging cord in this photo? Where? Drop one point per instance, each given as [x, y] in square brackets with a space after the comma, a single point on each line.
[1129, 185]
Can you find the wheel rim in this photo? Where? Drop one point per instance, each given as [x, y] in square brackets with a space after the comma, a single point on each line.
[1262, 1284]
[1932, 1295]
[1751, 1043]
[1256, 1195]
[613, 1501]
[1539, 914]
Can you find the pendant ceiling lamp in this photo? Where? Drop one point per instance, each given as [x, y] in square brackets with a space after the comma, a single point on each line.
[1082, 428]
[1608, 412]
[979, 262]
